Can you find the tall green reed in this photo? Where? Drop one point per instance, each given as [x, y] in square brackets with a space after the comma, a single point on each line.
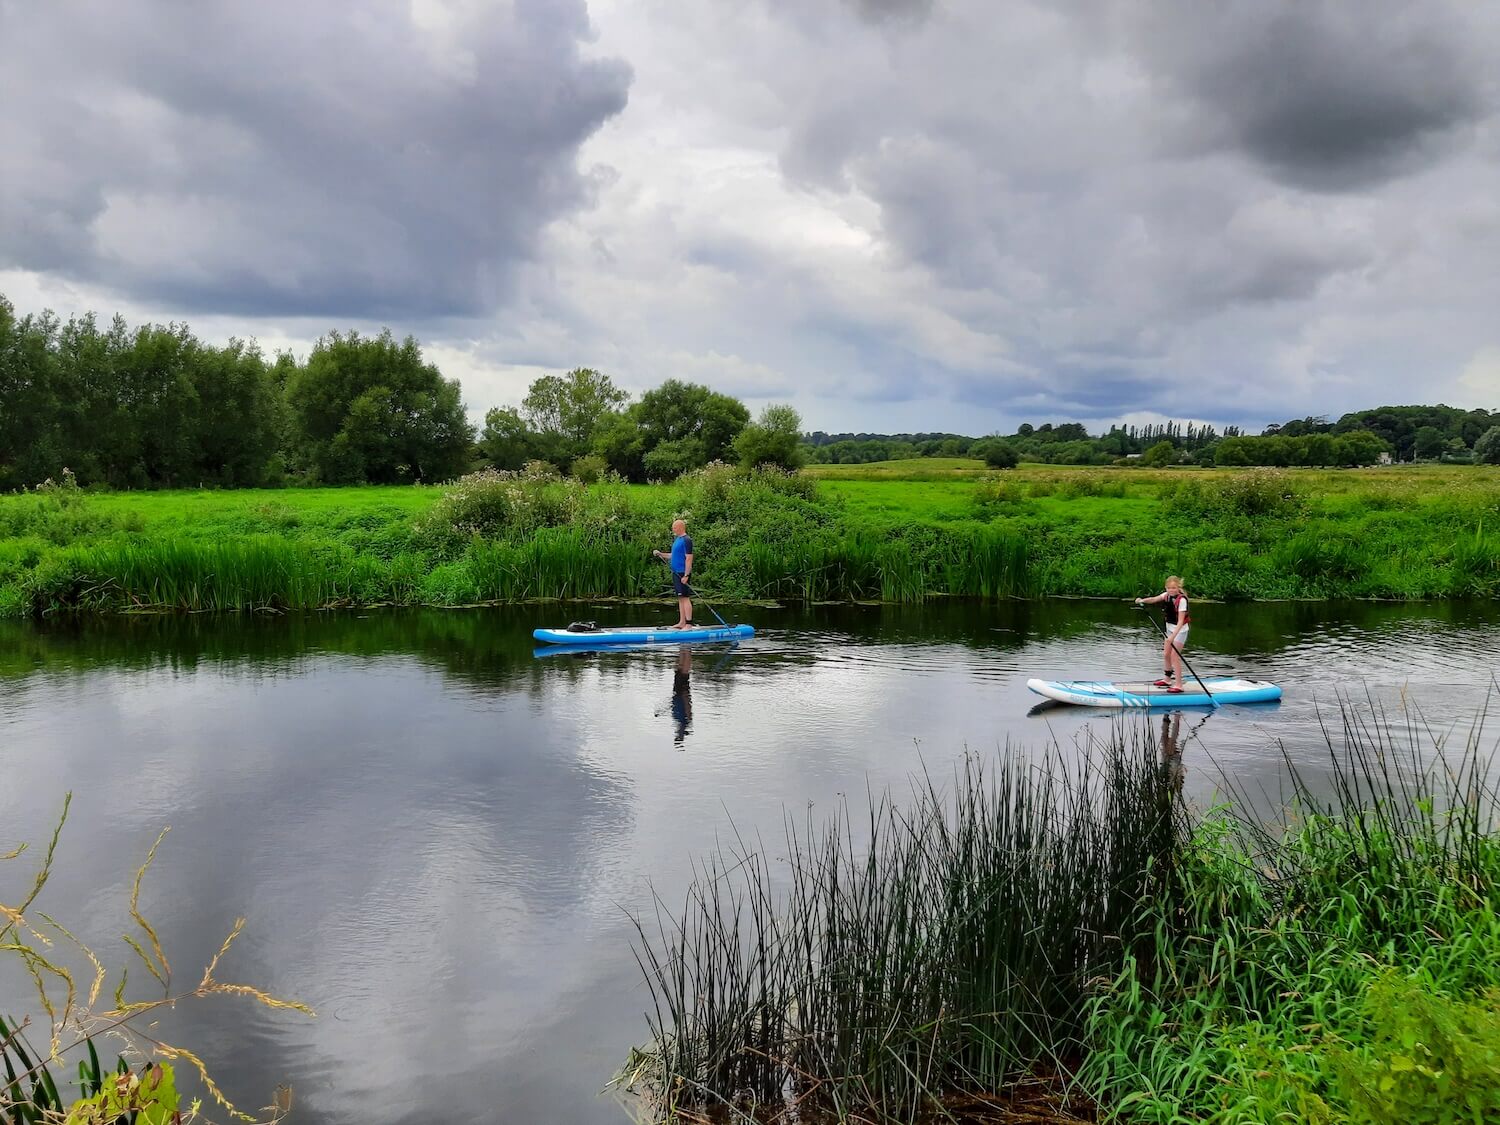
[908, 952]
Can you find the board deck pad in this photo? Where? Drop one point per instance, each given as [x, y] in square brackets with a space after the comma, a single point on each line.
[643, 635]
[1142, 693]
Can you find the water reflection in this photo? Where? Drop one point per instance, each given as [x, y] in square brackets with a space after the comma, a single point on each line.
[682, 694]
[436, 835]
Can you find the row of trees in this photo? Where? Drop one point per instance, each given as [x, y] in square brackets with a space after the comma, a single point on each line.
[1408, 433]
[1359, 447]
[1413, 433]
[157, 407]
[1066, 443]
[582, 422]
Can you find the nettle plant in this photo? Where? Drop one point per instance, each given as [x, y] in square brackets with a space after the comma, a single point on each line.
[39, 1055]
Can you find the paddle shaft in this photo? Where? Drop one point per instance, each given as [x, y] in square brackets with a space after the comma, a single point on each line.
[1162, 629]
[706, 606]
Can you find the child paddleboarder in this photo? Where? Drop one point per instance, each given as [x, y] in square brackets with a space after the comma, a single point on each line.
[1175, 608]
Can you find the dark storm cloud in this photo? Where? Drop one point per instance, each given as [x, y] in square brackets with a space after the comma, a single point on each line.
[1324, 94]
[1209, 203]
[349, 159]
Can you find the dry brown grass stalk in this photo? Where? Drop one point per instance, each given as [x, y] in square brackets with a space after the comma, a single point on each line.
[76, 1023]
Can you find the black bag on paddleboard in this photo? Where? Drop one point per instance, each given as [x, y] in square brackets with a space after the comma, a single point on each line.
[583, 627]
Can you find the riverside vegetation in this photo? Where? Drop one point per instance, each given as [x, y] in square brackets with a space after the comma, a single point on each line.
[1405, 532]
[39, 1056]
[1045, 941]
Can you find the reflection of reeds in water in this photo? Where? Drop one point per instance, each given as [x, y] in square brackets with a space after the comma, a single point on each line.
[1074, 922]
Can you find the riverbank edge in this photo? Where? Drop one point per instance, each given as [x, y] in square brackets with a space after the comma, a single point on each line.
[1248, 537]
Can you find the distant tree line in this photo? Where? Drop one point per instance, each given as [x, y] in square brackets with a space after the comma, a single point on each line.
[155, 407]
[1063, 443]
[1412, 433]
[1406, 433]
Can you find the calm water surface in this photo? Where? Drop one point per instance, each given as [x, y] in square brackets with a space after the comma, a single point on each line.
[436, 833]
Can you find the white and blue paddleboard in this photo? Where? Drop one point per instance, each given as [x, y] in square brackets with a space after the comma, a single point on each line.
[643, 635]
[1102, 693]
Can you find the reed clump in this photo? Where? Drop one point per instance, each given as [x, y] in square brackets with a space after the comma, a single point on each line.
[908, 952]
[1072, 925]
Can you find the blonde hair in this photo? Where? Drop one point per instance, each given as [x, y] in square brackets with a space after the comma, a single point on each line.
[1173, 580]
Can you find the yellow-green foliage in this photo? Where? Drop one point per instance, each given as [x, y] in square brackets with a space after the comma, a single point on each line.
[77, 1013]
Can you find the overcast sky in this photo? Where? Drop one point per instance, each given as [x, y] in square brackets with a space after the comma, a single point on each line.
[894, 214]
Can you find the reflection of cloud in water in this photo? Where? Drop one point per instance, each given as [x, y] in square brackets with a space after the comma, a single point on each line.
[413, 865]
[430, 829]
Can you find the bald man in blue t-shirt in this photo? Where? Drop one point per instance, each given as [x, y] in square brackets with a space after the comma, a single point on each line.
[681, 561]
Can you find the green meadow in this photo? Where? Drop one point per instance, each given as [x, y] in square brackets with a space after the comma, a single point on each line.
[894, 531]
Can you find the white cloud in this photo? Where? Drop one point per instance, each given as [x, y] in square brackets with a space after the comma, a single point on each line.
[896, 216]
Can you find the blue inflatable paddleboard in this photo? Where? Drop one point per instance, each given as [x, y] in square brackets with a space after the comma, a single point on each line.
[643, 635]
[1100, 693]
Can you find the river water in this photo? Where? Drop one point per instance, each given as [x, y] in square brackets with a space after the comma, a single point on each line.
[437, 834]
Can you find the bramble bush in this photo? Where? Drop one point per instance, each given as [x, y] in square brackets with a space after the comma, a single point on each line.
[1254, 492]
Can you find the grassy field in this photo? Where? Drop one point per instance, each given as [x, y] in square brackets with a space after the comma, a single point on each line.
[943, 529]
[921, 468]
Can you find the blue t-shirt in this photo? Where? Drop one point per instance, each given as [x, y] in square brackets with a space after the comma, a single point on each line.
[682, 547]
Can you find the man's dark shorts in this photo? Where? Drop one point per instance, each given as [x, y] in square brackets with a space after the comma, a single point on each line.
[680, 587]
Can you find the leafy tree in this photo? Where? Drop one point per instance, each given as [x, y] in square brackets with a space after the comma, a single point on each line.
[775, 438]
[696, 425]
[1162, 453]
[997, 453]
[506, 441]
[370, 409]
[572, 409]
[1300, 427]
[1318, 449]
[1428, 442]
[671, 459]
[1487, 446]
[623, 446]
[1234, 451]
[240, 421]
[31, 441]
[678, 411]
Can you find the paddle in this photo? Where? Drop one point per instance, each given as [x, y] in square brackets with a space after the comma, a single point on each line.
[1160, 628]
[697, 597]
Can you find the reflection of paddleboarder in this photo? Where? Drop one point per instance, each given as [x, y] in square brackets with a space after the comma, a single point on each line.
[682, 693]
[1171, 748]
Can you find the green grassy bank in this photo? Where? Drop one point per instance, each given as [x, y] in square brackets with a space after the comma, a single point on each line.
[867, 534]
[1069, 937]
